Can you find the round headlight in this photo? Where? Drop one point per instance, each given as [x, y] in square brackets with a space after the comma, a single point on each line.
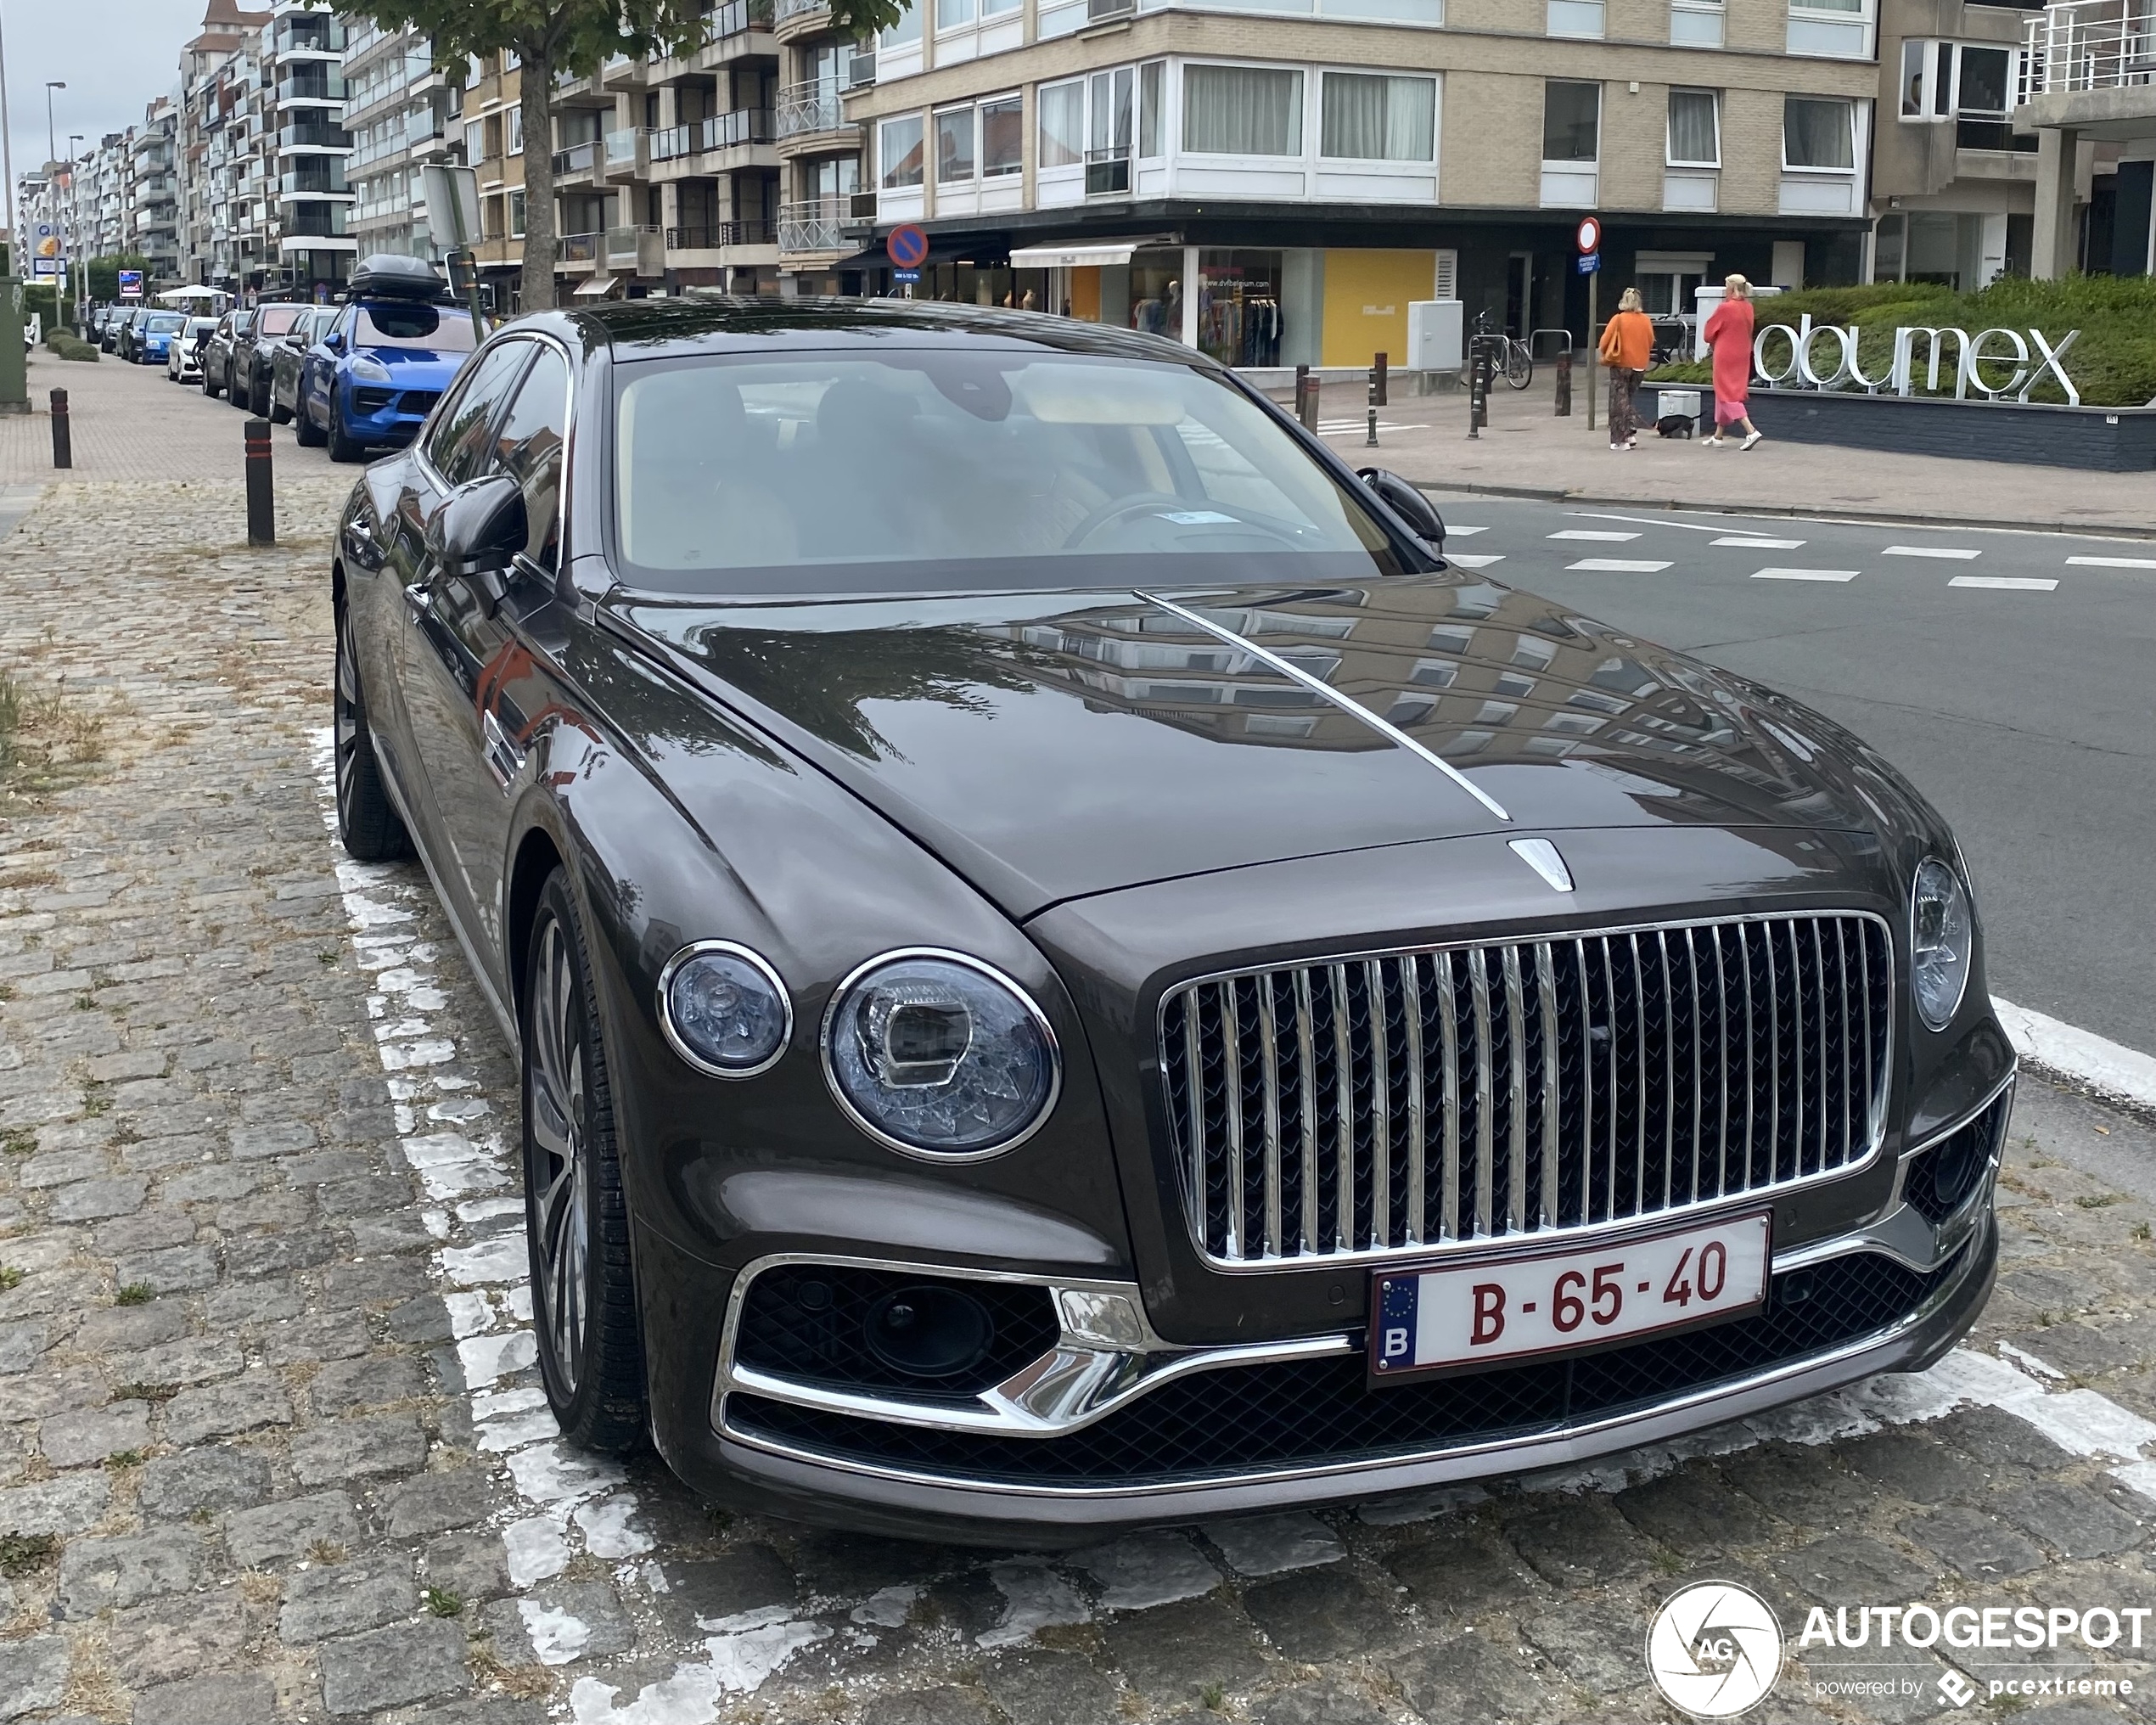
[724, 1009]
[1941, 934]
[934, 1054]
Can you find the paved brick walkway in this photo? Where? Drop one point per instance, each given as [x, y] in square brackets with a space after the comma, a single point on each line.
[271, 1447]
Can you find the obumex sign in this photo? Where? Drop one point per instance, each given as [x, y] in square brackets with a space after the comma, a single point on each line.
[1968, 357]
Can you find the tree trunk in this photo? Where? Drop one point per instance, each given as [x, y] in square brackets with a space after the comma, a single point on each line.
[536, 99]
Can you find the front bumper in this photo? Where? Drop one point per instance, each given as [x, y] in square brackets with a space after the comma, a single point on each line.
[380, 413]
[1114, 1429]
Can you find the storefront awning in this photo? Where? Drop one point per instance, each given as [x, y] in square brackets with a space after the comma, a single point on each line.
[593, 288]
[1089, 255]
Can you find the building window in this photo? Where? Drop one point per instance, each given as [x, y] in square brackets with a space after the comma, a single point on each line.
[475, 142]
[1374, 118]
[898, 149]
[514, 118]
[1571, 122]
[1003, 137]
[1818, 134]
[1241, 111]
[516, 214]
[1063, 125]
[1152, 110]
[954, 146]
[907, 30]
[1695, 129]
[950, 15]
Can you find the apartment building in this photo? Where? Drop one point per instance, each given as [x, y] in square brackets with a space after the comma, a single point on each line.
[303, 57]
[155, 190]
[1274, 182]
[401, 113]
[667, 170]
[493, 148]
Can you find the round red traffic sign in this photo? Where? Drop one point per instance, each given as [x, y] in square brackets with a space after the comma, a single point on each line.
[1590, 235]
[908, 246]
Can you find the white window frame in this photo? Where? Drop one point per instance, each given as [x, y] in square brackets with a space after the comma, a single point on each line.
[1856, 155]
[1394, 163]
[937, 116]
[1040, 105]
[1669, 144]
[981, 135]
[919, 117]
[1181, 108]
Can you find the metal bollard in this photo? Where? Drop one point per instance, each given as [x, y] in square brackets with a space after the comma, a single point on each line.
[261, 502]
[1478, 390]
[1302, 384]
[1564, 385]
[63, 438]
[1384, 399]
[1371, 441]
[1310, 388]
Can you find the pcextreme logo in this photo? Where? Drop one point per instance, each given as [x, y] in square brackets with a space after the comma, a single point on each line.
[1713, 1650]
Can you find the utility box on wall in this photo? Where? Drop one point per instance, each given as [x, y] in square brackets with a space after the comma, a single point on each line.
[1437, 339]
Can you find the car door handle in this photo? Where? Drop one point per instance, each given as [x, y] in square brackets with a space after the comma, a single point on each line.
[504, 759]
[419, 596]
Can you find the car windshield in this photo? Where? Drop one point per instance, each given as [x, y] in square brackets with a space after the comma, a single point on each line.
[442, 328]
[276, 320]
[164, 323]
[199, 327]
[856, 471]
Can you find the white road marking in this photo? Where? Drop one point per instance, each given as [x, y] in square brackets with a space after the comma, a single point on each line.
[1617, 565]
[2011, 583]
[1806, 574]
[1454, 531]
[2105, 1067]
[1467, 559]
[2112, 562]
[1340, 428]
[1743, 544]
[1593, 533]
[1643, 521]
[1946, 551]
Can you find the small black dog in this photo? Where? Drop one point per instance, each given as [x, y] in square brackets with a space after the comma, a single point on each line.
[1673, 426]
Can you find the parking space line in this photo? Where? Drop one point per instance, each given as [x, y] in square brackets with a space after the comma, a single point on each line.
[1948, 551]
[1617, 565]
[2011, 583]
[1806, 574]
[2112, 562]
[1467, 559]
[1743, 543]
[1592, 533]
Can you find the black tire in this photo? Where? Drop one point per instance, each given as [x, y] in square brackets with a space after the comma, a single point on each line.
[576, 1217]
[303, 427]
[342, 447]
[1519, 365]
[366, 820]
[258, 400]
[279, 414]
[237, 391]
[209, 388]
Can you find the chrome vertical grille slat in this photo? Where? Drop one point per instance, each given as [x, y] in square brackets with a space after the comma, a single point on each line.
[1376, 1105]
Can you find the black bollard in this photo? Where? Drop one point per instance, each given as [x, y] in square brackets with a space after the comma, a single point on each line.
[1564, 385]
[1376, 394]
[1310, 386]
[261, 502]
[1302, 385]
[1383, 399]
[1478, 388]
[62, 439]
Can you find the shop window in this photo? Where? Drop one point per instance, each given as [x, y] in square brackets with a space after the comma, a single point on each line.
[1063, 125]
[1695, 129]
[1370, 117]
[1241, 111]
[1238, 307]
[954, 146]
[898, 151]
[1003, 137]
[1818, 135]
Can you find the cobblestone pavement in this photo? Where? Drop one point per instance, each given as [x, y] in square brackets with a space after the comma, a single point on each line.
[271, 1447]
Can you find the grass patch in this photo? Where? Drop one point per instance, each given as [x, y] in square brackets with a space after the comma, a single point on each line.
[10, 1277]
[46, 742]
[145, 1392]
[18, 1141]
[2113, 365]
[135, 1294]
[2101, 1201]
[25, 1553]
[124, 1458]
[442, 1603]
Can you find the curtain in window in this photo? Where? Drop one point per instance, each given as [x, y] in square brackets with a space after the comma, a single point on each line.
[1571, 122]
[1063, 125]
[1241, 111]
[899, 150]
[1003, 137]
[1369, 118]
[1692, 140]
[1153, 106]
[1817, 134]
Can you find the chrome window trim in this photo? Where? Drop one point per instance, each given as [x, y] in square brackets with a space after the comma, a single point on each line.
[1731, 1390]
[757, 962]
[1446, 1250]
[939, 1158]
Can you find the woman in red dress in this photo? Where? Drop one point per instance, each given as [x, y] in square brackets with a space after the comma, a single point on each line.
[1729, 334]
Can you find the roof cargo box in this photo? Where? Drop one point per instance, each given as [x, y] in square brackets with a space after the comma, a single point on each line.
[390, 275]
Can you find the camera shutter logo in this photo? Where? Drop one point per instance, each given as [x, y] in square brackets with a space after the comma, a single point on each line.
[1713, 1650]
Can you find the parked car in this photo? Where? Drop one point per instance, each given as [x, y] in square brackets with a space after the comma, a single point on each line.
[184, 362]
[1061, 980]
[377, 374]
[150, 341]
[247, 384]
[115, 331]
[286, 355]
[217, 350]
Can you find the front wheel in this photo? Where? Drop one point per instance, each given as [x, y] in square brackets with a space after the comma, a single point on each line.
[304, 429]
[209, 388]
[1519, 365]
[366, 821]
[576, 1219]
[342, 447]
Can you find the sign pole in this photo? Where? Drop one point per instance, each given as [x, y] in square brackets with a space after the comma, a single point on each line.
[1594, 352]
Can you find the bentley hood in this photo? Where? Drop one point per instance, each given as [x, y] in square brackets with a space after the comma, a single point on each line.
[1052, 745]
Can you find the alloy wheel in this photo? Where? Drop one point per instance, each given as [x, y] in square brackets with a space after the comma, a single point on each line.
[346, 718]
[560, 1173]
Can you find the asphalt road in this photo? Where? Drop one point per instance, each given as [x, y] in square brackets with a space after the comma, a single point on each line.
[2027, 713]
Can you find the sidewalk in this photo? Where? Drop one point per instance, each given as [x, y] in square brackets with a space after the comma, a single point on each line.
[1525, 451]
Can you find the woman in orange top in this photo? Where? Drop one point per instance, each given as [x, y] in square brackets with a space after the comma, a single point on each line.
[1627, 346]
[1728, 333]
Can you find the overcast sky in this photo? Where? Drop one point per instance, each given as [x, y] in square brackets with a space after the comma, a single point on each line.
[115, 56]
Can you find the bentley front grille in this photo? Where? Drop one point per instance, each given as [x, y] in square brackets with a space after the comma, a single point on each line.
[1376, 1105]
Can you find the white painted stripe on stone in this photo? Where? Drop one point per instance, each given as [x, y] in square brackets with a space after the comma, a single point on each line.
[2112, 562]
[1742, 542]
[1806, 574]
[2007, 583]
[1953, 552]
[2107, 1068]
[1592, 533]
[1618, 565]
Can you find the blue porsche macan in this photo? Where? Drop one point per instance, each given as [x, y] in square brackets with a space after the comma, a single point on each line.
[369, 382]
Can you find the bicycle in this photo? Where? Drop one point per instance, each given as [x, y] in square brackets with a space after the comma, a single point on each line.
[1515, 359]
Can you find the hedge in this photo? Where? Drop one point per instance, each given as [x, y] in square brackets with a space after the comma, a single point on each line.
[2113, 364]
[64, 344]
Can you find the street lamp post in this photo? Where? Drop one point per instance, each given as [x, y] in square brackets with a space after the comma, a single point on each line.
[74, 203]
[51, 181]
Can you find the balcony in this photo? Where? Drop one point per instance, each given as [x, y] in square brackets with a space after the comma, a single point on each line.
[791, 19]
[728, 131]
[580, 250]
[312, 83]
[715, 236]
[316, 221]
[812, 112]
[313, 134]
[2089, 66]
[1108, 173]
[815, 224]
[736, 18]
[635, 251]
[312, 183]
[580, 161]
[627, 154]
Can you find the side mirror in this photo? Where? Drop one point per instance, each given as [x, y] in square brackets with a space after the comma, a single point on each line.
[334, 342]
[1407, 502]
[481, 528]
